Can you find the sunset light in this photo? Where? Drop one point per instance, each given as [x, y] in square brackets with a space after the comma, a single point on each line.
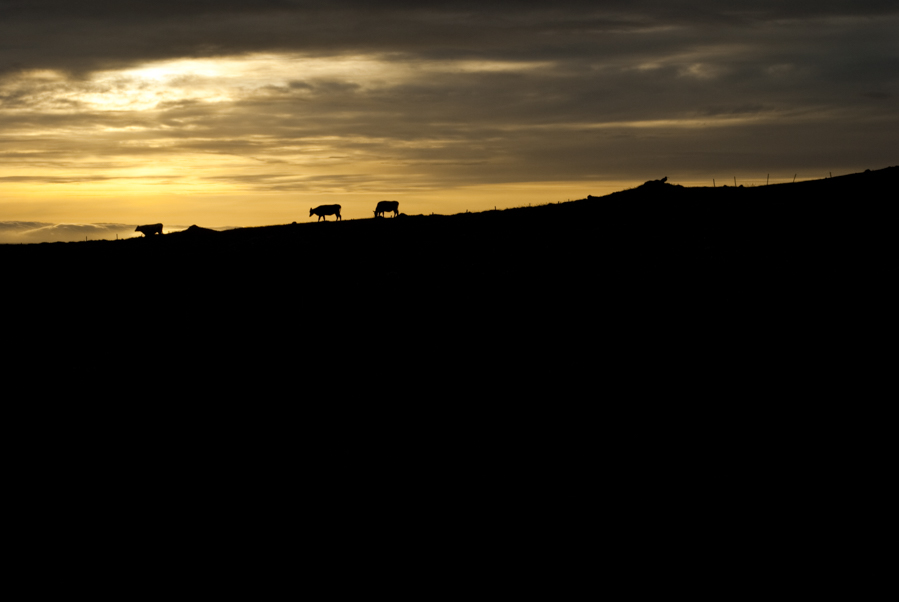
[228, 115]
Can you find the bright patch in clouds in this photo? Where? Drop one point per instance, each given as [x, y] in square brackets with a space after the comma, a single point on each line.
[226, 79]
[265, 124]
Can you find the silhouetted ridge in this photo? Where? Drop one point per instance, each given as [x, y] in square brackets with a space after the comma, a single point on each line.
[659, 234]
[198, 231]
[657, 183]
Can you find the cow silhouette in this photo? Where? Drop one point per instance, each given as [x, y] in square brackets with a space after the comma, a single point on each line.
[149, 229]
[322, 210]
[387, 206]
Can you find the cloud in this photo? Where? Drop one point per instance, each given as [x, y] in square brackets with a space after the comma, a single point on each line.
[13, 232]
[318, 97]
[90, 35]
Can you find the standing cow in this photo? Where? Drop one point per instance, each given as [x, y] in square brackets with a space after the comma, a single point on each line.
[149, 229]
[322, 210]
[387, 206]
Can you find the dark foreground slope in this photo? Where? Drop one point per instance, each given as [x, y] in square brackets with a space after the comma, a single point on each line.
[651, 271]
[654, 233]
[664, 363]
[661, 292]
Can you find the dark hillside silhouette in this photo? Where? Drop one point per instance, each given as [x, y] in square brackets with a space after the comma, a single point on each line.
[658, 228]
[653, 252]
[678, 334]
[619, 312]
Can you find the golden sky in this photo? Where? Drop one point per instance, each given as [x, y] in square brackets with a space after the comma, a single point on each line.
[239, 114]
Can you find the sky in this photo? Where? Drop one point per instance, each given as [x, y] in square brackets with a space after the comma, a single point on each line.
[228, 113]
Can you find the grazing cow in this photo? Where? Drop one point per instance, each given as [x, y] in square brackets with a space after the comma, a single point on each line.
[322, 210]
[387, 206]
[149, 229]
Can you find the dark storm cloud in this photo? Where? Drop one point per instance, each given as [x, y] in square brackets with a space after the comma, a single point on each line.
[796, 52]
[81, 36]
[767, 82]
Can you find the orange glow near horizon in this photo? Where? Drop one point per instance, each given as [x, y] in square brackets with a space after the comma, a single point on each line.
[103, 204]
[121, 157]
[258, 139]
